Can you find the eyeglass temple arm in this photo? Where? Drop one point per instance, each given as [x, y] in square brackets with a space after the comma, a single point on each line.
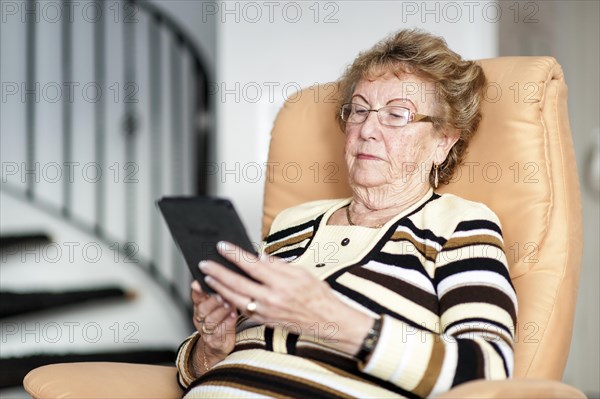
[422, 118]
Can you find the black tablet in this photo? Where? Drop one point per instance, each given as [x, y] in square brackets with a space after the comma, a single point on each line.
[197, 224]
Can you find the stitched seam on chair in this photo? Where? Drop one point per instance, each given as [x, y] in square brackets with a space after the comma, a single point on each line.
[562, 160]
[551, 207]
[567, 215]
[543, 102]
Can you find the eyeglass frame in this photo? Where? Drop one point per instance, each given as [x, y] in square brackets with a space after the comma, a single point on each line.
[412, 116]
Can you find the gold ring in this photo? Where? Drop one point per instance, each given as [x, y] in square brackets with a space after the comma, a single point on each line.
[206, 331]
[200, 319]
[251, 307]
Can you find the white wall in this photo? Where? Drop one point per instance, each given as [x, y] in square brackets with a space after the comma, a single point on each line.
[288, 45]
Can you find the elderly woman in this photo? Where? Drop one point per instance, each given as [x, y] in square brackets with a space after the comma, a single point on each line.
[417, 297]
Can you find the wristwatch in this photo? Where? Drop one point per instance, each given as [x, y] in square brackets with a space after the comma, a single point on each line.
[368, 344]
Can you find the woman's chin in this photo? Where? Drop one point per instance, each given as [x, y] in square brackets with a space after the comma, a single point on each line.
[367, 180]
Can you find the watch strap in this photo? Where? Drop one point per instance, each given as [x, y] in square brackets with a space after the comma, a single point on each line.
[370, 340]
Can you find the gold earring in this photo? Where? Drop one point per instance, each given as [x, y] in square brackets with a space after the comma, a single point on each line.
[435, 176]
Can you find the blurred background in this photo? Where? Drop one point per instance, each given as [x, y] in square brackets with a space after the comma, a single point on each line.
[107, 105]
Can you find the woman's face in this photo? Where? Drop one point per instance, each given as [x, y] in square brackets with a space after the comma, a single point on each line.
[402, 157]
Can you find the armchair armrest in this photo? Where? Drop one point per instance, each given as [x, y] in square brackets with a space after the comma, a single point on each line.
[103, 380]
[513, 389]
[125, 380]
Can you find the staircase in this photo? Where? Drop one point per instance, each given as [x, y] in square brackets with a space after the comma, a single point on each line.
[104, 110]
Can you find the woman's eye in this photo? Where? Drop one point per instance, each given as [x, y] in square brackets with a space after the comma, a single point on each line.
[360, 111]
[394, 115]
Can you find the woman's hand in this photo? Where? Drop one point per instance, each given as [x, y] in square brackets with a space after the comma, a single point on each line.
[215, 320]
[288, 296]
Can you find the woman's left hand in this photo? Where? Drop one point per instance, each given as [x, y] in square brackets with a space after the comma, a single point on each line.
[286, 295]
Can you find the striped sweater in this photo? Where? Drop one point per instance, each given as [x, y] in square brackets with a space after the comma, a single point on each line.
[437, 275]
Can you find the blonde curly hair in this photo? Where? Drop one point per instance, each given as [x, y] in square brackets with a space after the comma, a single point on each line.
[459, 83]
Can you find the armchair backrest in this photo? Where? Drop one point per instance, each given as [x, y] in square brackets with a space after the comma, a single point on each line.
[520, 163]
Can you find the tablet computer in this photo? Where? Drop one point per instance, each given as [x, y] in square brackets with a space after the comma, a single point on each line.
[197, 224]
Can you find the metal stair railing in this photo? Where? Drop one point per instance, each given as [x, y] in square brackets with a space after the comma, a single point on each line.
[191, 135]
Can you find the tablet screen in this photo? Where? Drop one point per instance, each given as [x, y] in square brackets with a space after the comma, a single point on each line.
[197, 224]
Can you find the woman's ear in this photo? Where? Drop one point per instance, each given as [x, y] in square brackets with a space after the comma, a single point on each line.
[446, 140]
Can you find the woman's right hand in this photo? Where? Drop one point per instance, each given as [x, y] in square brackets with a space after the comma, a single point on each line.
[215, 320]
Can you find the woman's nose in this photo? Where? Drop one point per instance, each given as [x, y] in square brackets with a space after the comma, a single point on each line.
[371, 127]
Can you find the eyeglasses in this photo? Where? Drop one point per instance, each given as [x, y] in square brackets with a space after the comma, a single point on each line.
[388, 116]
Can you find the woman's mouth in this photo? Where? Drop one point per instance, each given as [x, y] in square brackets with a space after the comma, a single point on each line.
[367, 157]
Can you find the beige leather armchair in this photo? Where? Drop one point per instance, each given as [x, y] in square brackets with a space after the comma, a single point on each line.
[521, 164]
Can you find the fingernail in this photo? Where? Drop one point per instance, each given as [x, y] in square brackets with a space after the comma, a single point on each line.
[195, 286]
[219, 298]
[208, 280]
[223, 245]
[203, 264]
[226, 305]
[233, 315]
